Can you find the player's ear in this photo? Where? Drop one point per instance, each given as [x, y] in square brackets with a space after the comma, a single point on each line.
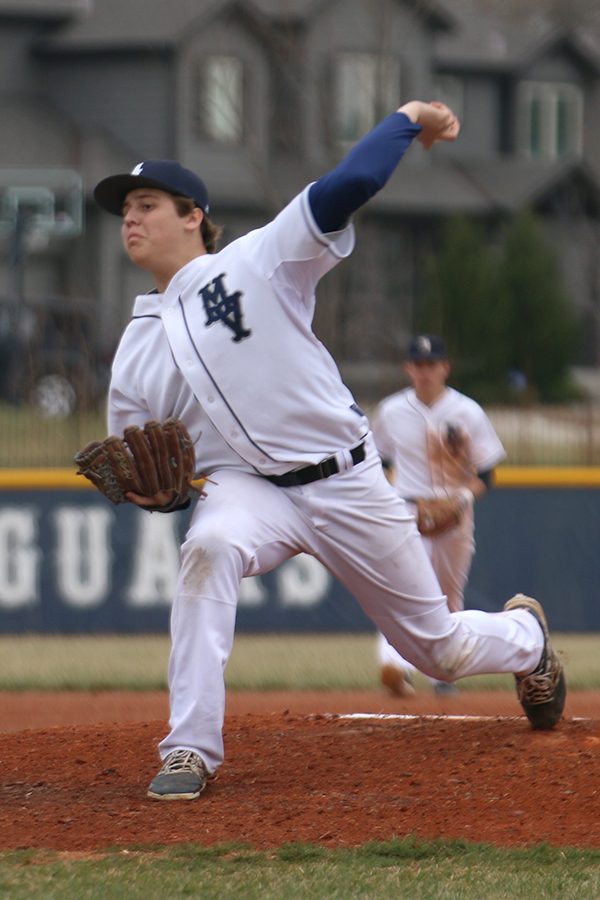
[194, 218]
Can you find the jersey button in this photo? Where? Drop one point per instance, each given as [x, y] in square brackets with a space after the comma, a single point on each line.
[210, 399]
[234, 433]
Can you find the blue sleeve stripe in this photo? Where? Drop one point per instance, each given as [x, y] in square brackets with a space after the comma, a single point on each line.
[362, 172]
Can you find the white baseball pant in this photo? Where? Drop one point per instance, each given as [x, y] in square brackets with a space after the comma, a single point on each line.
[356, 525]
[451, 554]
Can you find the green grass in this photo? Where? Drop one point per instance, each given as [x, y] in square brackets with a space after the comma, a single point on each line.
[399, 868]
[28, 440]
[258, 662]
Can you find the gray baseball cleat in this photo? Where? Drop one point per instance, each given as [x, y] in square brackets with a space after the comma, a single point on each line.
[445, 689]
[183, 776]
[542, 693]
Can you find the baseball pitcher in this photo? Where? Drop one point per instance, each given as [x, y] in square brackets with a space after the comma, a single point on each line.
[223, 343]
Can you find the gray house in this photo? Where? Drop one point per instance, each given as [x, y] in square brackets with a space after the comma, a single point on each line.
[262, 96]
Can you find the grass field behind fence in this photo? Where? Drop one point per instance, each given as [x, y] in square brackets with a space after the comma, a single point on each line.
[534, 436]
[258, 662]
[30, 440]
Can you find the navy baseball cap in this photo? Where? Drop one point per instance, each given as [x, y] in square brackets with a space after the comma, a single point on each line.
[162, 174]
[425, 347]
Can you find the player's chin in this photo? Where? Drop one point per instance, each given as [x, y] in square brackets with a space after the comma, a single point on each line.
[138, 253]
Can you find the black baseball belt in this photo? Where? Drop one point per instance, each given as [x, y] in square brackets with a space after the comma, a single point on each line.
[324, 469]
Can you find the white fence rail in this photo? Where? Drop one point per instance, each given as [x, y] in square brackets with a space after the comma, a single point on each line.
[532, 436]
[549, 435]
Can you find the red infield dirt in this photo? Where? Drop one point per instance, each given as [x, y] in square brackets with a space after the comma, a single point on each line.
[75, 769]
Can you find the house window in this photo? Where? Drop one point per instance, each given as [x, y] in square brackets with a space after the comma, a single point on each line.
[221, 93]
[367, 89]
[550, 120]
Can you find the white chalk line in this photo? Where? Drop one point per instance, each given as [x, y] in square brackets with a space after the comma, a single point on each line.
[438, 717]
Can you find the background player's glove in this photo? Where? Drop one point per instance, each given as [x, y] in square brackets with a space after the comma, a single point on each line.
[437, 514]
[158, 457]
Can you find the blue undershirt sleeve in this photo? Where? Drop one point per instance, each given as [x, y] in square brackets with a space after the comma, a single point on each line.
[362, 172]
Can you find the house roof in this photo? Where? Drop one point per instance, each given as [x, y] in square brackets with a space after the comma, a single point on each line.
[43, 8]
[129, 23]
[157, 23]
[438, 189]
[502, 36]
[510, 184]
[433, 10]
[496, 35]
[480, 187]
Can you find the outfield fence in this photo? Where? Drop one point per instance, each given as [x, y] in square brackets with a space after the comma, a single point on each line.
[71, 562]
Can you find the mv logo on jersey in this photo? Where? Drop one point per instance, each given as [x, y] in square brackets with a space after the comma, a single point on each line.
[220, 306]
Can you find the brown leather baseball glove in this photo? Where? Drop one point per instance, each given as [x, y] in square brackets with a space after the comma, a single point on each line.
[157, 457]
[437, 514]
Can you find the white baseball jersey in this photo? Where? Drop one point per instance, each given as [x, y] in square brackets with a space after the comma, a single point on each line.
[248, 308]
[419, 441]
[433, 451]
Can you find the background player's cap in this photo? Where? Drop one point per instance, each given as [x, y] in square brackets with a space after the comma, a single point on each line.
[426, 347]
[163, 174]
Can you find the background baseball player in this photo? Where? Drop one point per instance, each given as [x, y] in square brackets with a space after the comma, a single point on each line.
[435, 443]
[225, 344]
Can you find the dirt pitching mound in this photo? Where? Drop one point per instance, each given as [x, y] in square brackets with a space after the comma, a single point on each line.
[320, 775]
